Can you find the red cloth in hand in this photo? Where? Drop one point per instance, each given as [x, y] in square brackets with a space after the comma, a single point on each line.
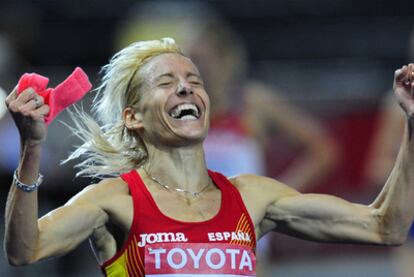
[66, 93]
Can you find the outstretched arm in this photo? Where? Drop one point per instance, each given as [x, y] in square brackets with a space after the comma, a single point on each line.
[384, 148]
[28, 239]
[330, 219]
[395, 202]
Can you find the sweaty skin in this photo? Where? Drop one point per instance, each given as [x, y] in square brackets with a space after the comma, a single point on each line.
[176, 158]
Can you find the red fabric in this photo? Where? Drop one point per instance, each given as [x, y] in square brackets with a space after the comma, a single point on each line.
[66, 93]
[148, 219]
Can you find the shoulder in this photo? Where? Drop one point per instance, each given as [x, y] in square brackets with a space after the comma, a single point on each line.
[108, 198]
[259, 192]
[261, 185]
[101, 191]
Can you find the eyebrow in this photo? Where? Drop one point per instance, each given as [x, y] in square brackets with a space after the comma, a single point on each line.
[191, 74]
[164, 75]
[170, 75]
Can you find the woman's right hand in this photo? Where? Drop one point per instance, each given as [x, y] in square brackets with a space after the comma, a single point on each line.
[28, 111]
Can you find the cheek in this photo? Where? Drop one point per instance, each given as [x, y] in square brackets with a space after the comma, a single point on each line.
[151, 102]
[153, 116]
[206, 101]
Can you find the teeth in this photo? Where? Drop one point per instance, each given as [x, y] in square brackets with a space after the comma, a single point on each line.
[188, 117]
[178, 109]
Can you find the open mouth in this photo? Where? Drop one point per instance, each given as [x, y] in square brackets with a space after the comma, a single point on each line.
[185, 111]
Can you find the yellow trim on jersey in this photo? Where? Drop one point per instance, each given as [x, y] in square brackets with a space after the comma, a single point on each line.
[118, 268]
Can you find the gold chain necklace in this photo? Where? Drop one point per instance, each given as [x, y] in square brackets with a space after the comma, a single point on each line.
[194, 194]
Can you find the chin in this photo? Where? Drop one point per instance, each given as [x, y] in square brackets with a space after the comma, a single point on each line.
[190, 135]
[188, 132]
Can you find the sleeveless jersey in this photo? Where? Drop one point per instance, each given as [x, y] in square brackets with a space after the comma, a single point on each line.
[161, 246]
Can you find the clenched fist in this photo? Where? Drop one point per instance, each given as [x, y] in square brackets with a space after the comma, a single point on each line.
[28, 111]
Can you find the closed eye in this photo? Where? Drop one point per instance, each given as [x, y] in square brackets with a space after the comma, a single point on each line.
[197, 83]
[165, 84]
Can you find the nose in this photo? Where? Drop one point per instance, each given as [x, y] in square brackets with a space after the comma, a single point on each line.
[184, 89]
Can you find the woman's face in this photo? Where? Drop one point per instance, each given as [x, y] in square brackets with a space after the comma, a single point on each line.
[174, 106]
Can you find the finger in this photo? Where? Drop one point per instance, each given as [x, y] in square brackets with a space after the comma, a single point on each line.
[412, 89]
[26, 95]
[40, 113]
[400, 74]
[33, 104]
[409, 77]
[21, 99]
[405, 76]
[12, 96]
[410, 74]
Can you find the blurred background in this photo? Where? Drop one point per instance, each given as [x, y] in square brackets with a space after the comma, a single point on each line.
[300, 91]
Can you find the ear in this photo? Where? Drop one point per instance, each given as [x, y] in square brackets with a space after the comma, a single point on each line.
[132, 119]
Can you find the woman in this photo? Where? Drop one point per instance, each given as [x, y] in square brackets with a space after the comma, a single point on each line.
[166, 213]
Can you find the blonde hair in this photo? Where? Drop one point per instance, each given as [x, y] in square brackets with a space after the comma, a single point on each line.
[110, 148]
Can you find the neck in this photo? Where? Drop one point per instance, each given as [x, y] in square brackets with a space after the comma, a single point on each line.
[182, 168]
